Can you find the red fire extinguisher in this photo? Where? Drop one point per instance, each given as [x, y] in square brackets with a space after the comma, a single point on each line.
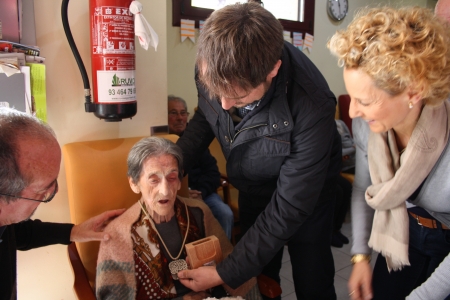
[113, 59]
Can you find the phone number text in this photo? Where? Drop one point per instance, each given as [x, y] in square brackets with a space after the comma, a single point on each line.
[129, 91]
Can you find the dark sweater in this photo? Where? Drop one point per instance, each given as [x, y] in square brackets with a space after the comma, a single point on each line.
[25, 236]
[204, 175]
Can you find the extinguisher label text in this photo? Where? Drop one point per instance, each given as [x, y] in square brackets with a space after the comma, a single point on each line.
[116, 86]
[113, 31]
[113, 92]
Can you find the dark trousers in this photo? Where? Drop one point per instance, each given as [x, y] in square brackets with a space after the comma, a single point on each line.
[343, 197]
[309, 248]
[427, 249]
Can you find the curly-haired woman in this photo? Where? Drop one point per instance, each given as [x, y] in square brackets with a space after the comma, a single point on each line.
[397, 72]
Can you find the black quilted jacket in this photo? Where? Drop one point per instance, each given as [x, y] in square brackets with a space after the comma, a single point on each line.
[289, 149]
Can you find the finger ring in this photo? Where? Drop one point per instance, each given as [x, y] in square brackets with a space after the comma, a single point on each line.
[352, 293]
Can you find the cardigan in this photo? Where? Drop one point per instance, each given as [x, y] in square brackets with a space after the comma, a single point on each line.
[115, 265]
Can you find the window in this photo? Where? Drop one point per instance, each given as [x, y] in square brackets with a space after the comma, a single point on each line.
[294, 15]
[291, 10]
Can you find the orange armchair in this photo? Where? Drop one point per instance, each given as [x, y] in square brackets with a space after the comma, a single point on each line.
[96, 182]
[96, 175]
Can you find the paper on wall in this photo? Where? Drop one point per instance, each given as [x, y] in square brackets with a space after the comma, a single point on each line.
[308, 43]
[287, 36]
[187, 30]
[298, 40]
[38, 89]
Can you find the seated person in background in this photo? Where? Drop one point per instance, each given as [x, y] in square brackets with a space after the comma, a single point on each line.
[344, 187]
[348, 147]
[150, 235]
[204, 177]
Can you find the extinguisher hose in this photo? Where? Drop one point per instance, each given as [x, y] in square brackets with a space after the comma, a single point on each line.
[89, 106]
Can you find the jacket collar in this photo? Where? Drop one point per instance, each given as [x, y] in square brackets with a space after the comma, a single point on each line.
[274, 117]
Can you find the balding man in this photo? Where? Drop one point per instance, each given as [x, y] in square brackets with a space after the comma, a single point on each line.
[30, 158]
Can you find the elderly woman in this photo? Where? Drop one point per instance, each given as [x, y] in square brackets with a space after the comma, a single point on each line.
[143, 256]
[397, 73]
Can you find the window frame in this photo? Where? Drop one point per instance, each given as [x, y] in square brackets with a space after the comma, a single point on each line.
[183, 9]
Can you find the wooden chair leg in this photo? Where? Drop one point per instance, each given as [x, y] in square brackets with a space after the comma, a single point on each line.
[81, 285]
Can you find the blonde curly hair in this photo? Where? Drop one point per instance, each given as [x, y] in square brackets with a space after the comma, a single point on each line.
[398, 48]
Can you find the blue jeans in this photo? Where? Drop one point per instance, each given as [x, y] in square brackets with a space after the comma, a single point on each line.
[222, 212]
[427, 249]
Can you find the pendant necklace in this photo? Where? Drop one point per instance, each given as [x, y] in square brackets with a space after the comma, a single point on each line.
[176, 264]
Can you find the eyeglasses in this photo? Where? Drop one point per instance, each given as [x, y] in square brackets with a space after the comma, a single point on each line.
[181, 113]
[47, 197]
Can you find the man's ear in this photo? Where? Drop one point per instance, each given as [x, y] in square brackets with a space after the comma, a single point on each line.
[274, 71]
[134, 187]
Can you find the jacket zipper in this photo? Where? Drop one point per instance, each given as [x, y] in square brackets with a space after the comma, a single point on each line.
[232, 138]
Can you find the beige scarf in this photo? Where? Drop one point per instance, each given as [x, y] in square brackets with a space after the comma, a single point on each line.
[395, 178]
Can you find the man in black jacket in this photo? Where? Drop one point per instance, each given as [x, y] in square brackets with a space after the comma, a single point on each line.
[30, 158]
[204, 177]
[273, 114]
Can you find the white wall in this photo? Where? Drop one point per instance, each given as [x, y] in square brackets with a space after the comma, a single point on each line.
[180, 64]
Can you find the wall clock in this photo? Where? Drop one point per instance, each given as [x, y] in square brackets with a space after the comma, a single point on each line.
[337, 9]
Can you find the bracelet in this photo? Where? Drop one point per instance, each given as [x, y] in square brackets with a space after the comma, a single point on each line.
[360, 257]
